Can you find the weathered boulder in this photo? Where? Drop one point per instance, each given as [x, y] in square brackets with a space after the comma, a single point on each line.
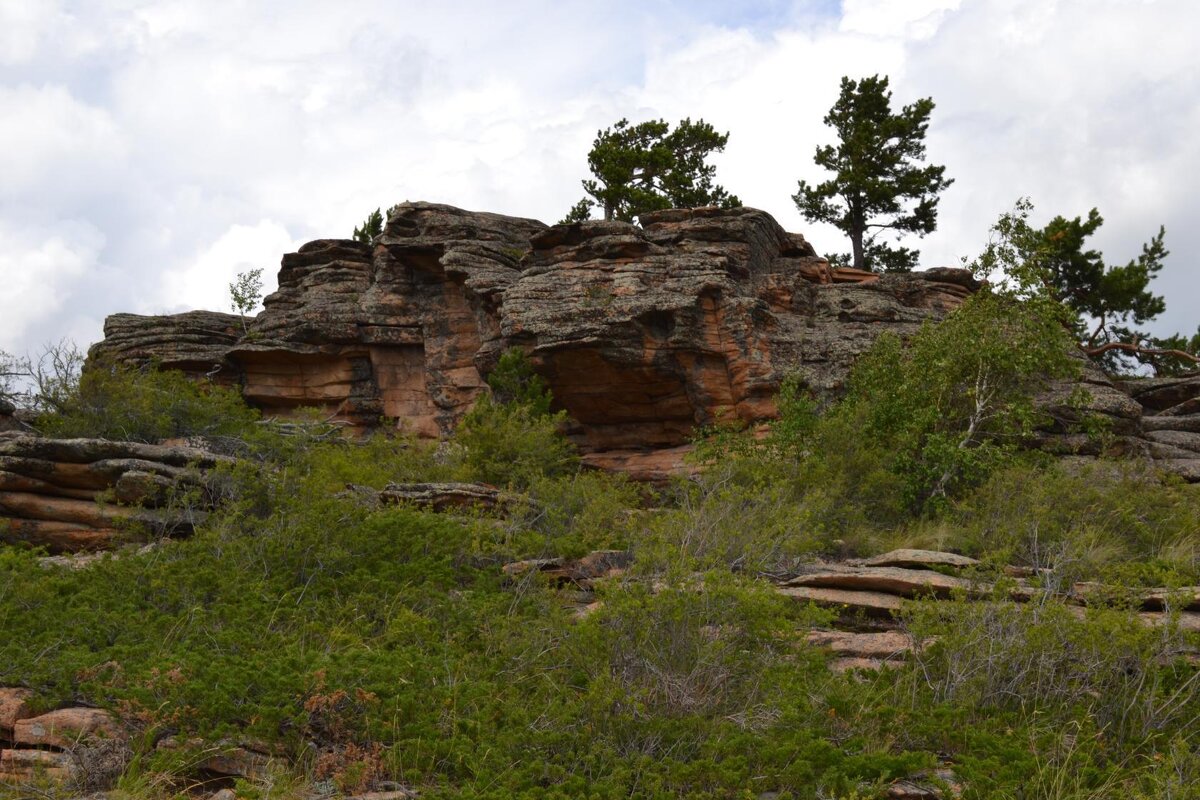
[67, 727]
[14, 706]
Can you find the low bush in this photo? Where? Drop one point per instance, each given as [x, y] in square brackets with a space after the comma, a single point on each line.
[511, 437]
[149, 405]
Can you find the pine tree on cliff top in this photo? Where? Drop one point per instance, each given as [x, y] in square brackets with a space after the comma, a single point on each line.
[648, 167]
[876, 176]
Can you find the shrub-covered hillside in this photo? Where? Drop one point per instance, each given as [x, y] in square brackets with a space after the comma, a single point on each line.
[360, 645]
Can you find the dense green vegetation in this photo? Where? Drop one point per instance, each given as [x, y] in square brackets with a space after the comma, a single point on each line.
[375, 644]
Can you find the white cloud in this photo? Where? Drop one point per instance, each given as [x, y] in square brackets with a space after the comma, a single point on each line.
[191, 140]
[910, 19]
[203, 281]
[52, 141]
[38, 268]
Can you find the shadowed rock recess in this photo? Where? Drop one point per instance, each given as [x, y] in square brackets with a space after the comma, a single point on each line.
[642, 333]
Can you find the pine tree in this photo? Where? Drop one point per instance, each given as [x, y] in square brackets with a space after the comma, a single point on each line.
[876, 175]
[648, 167]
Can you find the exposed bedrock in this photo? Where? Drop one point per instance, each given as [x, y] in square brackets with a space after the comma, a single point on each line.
[643, 333]
[51, 490]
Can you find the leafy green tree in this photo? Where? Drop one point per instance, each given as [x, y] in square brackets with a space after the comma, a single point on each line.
[372, 226]
[1108, 303]
[876, 174]
[245, 293]
[949, 407]
[648, 167]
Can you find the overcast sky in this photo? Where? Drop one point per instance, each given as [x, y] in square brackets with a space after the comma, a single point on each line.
[151, 150]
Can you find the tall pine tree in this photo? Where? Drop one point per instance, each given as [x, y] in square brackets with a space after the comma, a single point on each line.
[878, 183]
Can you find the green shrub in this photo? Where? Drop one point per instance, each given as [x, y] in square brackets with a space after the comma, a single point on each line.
[1110, 667]
[511, 437]
[146, 406]
[1115, 520]
[955, 403]
[573, 514]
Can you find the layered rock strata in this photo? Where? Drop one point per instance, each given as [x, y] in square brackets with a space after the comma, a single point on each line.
[643, 333]
[77, 495]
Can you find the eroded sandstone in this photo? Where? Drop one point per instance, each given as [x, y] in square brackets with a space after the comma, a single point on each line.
[77, 495]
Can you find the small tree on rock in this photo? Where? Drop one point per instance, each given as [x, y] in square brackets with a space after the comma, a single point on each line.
[648, 167]
[372, 226]
[876, 175]
[245, 293]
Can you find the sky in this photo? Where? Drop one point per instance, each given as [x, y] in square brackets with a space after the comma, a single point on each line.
[151, 150]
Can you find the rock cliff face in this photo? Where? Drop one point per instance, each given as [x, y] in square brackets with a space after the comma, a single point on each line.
[642, 333]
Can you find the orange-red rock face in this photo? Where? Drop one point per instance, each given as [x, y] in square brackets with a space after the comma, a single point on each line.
[643, 333]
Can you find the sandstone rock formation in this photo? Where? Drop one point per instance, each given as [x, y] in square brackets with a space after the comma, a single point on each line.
[50, 489]
[643, 333]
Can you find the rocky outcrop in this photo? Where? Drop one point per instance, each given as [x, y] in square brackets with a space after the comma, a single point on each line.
[194, 342]
[1171, 421]
[642, 333]
[75, 495]
[869, 595]
[7, 421]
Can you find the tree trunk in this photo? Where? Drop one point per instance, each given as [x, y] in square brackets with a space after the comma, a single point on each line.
[857, 229]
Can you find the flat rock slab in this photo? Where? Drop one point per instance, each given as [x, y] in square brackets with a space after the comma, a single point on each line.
[1186, 598]
[1164, 392]
[443, 497]
[881, 645]
[1185, 440]
[88, 451]
[1186, 468]
[889, 580]
[593, 566]
[1184, 422]
[918, 559]
[848, 663]
[1188, 621]
[224, 758]
[66, 727]
[876, 604]
[23, 766]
